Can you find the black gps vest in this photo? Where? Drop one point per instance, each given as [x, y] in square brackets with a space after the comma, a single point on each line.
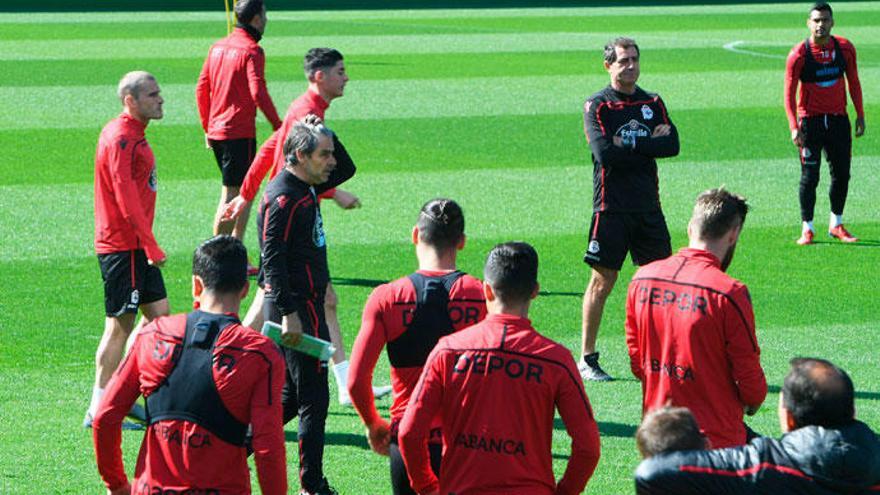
[815, 72]
[430, 321]
[189, 392]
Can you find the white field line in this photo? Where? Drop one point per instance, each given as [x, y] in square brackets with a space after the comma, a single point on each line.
[734, 46]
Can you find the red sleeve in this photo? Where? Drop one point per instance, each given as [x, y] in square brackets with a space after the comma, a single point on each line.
[743, 352]
[416, 423]
[577, 415]
[632, 334]
[852, 79]
[257, 85]
[259, 168]
[121, 164]
[121, 393]
[268, 428]
[793, 66]
[328, 194]
[203, 94]
[367, 348]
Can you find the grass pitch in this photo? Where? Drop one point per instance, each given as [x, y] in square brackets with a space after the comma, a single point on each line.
[483, 106]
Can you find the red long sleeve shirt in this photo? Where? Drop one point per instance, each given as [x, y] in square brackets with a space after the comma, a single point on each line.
[820, 98]
[125, 189]
[384, 320]
[496, 385]
[231, 86]
[690, 331]
[182, 455]
[270, 157]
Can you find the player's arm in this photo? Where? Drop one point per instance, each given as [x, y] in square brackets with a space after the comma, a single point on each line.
[416, 423]
[256, 65]
[602, 144]
[663, 142]
[855, 88]
[254, 177]
[275, 251]
[344, 170]
[794, 64]
[268, 426]
[203, 94]
[121, 393]
[632, 334]
[121, 161]
[743, 352]
[577, 415]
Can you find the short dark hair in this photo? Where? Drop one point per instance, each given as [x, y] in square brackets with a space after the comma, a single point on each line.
[716, 212]
[816, 392]
[820, 6]
[303, 137]
[320, 59]
[246, 10]
[623, 42]
[669, 429]
[441, 223]
[512, 271]
[221, 263]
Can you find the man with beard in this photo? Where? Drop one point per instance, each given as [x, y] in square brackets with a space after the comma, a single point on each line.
[690, 328]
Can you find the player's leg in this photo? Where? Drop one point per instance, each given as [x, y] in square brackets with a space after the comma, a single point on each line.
[605, 253]
[399, 477]
[650, 240]
[838, 149]
[810, 157]
[227, 193]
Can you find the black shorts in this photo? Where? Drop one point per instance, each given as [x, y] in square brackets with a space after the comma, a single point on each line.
[612, 235]
[129, 281]
[234, 157]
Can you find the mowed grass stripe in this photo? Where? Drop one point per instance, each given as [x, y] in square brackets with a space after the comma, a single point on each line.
[190, 47]
[527, 203]
[423, 98]
[400, 145]
[148, 28]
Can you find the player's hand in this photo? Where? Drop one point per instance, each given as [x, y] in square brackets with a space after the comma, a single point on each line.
[860, 127]
[155, 256]
[312, 119]
[158, 263]
[207, 142]
[661, 130]
[797, 137]
[234, 208]
[291, 329]
[379, 436]
[346, 200]
[122, 490]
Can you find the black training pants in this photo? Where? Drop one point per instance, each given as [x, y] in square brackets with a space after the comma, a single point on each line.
[399, 477]
[830, 133]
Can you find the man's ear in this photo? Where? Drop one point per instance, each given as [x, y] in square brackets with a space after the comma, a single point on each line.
[244, 290]
[535, 291]
[415, 235]
[198, 286]
[488, 293]
[461, 242]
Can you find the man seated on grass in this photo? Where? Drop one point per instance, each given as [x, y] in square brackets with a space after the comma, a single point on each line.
[669, 429]
[823, 449]
[205, 378]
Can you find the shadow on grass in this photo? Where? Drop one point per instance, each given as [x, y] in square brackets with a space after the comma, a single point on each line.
[369, 282]
[775, 389]
[335, 438]
[862, 243]
[606, 428]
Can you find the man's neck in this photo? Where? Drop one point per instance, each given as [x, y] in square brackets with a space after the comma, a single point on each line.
[222, 304]
[298, 173]
[713, 247]
[496, 307]
[627, 90]
[820, 41]
[431, 260]
[313, 87]
[136, 116]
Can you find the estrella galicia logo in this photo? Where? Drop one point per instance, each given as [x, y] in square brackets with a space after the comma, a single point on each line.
[647, 113]
[318, 231]
[154, 181]
[632, 130]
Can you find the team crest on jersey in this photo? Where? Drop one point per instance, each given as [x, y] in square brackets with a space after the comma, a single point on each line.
[806, 152]
[593, 248]
[281, 200]
[647, 113]
[154, 181]
[318, 231]
[135, 296]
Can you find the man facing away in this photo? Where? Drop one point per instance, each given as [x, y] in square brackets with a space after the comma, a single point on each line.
[690, 328]
[495, 387]
[230, 88]
[125, 205]
[408, 316]
[205, 378]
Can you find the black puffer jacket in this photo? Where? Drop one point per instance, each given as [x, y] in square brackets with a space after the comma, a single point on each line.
[808, 461]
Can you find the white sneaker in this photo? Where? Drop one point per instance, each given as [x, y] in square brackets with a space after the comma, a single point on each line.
[344, 399]
[382, 391]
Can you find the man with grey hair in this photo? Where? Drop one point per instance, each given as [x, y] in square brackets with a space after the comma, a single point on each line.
[125, 201]
[690, 328]
[669, 429]
[295, 278]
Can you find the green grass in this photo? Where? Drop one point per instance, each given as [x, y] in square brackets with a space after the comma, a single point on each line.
[483, 106]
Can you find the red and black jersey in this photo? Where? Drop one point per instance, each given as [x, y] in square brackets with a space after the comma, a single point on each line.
[231, 86]
[125, 189]
[820, 72]
[182, 455]
[291, 230]
[270, 157]
[388, 315]
[690, 331]
[496, 386]
[625, 178]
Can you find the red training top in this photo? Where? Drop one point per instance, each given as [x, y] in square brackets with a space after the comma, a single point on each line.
[178, 455]
[230, 87]
[270, 157]
[690, 331]
[125, 189]
[496, 385]
[821, 98]
[385, 318]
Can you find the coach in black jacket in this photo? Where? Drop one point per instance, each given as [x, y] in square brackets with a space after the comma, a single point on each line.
[825, 450]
